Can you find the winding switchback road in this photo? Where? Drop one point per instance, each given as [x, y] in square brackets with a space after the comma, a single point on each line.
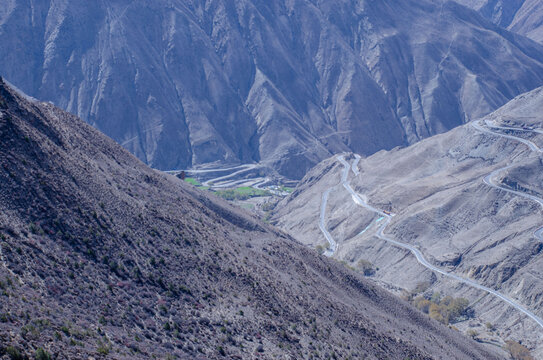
[203, 171]
[332, 248]
[322, 219]
[223, 180]
[243, 168]
[418, 254]
[489, 179]
[528, 143]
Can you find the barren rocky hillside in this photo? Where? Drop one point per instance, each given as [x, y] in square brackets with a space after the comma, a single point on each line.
[467, 202]
[286, 83]
[524, 17]
[102, 256]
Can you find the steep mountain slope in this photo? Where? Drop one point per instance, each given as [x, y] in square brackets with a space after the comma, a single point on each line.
[103, 255]
[285, 83]
[524, 17]
[467, 202]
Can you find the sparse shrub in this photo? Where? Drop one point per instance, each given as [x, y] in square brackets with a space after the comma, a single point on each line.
[321, 249]
[366, 267]
[163, 310]
[444, 310]
[103, 348]
[34, 229]
[14, 353]
[4, 317]
[42, 355]
[436, 297]
[518, 351]
[185, 289]
[65, 330]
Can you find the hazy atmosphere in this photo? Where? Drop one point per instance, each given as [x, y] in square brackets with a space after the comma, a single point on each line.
[254, 179]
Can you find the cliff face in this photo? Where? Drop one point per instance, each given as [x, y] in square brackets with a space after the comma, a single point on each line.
[288, 83]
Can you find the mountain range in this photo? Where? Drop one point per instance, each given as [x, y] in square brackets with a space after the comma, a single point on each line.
[284, 83]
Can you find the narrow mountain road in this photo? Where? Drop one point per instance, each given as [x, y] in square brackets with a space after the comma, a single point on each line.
[416, 252]
[490, 124]
[203, 171]
[332, 244]
[322, 219]
[489, 179]
[223, 180]
[528, 143]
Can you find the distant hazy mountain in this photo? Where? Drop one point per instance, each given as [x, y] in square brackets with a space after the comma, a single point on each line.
[524, 17]
[287, 83]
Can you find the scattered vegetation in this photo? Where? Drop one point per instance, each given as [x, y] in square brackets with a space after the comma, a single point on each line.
[103, 348]
[14, 353]
[42, 355]
[365, 267]
[445, 310]
[321, 249]
[193, 181]
[196, 183]
[518, 351]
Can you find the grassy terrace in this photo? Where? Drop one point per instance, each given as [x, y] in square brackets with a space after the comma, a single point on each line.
[240, 193]
[196, 183]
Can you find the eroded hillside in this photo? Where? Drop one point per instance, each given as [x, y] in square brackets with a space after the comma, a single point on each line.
[458, 214]
[283, 83]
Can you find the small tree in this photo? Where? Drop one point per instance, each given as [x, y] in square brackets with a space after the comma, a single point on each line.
[366, 267]
[518, 351]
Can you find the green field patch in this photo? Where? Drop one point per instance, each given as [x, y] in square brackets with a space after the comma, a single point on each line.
[193, 181]
[242, 193]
